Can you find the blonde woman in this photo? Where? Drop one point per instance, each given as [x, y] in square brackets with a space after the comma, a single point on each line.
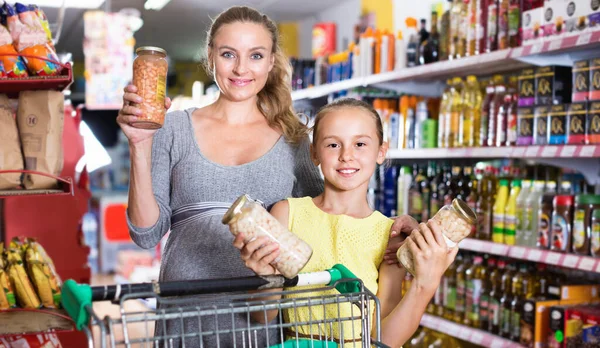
[185, 175]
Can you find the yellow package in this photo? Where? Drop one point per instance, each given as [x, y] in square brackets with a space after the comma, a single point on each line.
[26, 296]
[7, 296]
[43, 278]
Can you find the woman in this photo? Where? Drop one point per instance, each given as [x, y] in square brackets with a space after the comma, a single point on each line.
[185, 175]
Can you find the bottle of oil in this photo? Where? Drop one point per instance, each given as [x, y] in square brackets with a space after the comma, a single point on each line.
[469, 126]
[495, 309]
[449, 288]
[542, 280]
[495, 108]
[506, 300]
[499, 208]
[435, 200]
[455, 112]
[485, 211]
[442, 118]
[474, 276]
[486, 288]
[510, 213]
[486, 112]
[415, 198]
[516, 305]
[461, 289]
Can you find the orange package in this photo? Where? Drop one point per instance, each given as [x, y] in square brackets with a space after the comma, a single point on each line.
[11, 62]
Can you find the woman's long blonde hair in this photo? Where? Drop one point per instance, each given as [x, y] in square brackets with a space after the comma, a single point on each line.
[275, 99]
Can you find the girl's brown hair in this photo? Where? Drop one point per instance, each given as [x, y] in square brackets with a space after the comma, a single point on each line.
[348, 103]
[275, 99]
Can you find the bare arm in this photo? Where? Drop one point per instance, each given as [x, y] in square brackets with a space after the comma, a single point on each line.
[142, 207]
[258, 255]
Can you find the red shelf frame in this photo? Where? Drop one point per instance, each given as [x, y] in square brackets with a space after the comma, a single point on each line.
[65, 186]
[12, 86]
[57, 321]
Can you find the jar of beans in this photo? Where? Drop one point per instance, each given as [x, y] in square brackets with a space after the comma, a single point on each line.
[249, 217]
[456, 221]
[150, 77]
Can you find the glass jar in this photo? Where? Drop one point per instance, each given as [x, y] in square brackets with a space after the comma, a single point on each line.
[150, 77]
[585, 205]
[249, 217]
[456, 221]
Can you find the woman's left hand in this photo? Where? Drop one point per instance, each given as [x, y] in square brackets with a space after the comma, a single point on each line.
[401, 229]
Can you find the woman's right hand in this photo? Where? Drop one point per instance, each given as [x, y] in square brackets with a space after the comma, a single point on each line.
[129, 113]
[258, 254]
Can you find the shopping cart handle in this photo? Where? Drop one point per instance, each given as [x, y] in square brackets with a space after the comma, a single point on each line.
[75, 298]
[339, 272]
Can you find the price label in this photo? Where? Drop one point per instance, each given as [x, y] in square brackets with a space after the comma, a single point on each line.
[518, 152]
[477, 338]
[570, 261]
[554, 45]
[553, 258]
[534, 255]
[549, 151]
[517, 52]
[517, 252]
[499, 249]
[465, 334]
[568, 151]
[497, 343]
[587, 151]
[587, 264]
[598, 268]
[536, 48]
[532, 151]
[453, 330]
[584, 38]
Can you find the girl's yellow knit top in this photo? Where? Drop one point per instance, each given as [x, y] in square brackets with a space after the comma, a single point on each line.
[358, 244]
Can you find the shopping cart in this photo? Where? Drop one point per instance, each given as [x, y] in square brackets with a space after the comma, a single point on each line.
[175, 303]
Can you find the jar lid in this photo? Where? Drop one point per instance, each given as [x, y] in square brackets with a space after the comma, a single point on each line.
[563, 200]
[587, 199]
[463, 209]
[151, 48]
[235, 209]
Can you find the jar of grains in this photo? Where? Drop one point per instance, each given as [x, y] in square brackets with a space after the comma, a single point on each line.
[249, 217]
[150, 77]
[456, 221]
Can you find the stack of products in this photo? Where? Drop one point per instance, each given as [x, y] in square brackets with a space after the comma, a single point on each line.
[27, 276]
[515, 300]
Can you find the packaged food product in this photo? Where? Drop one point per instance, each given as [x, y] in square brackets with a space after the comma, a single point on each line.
[456, 220]
[577, 124]
[593, 124]
[540, 125]
[526, 87]
[150, 77]
[552, 85]
[11, 156]
[7, 295]
[583, 233]
[26, 295]
[43, 277]
[249, 217]
[562, 223]
[525, 126]
[581, 80]
[594, 78]
[557, 125]
[12, 63]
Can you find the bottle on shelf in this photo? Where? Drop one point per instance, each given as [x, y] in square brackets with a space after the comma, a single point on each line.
[455, 112]
[412, 46]
[492, 25]
[514, 23]
[461, 290]
[486, 288]
[490, 90]
[443, 116]
[404, 182]
[495, 309]
[520, 211]
[503, 9]
[496, 118]
[474, 277]
[435, 200]
[511, 99]
[459, 26]
[425, 189]
[510, 213]
[485, 205]
[532, 206]
[545, 216]
[470, 121]
[449, 288]
[400, 55]
[415, 206]
[430, 48]
[445, 33]
[499, 210]
[462, 184]
[506, 300]
[516, 305]
[423, 33]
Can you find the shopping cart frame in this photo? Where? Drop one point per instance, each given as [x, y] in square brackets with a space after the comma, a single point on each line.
[350, 290]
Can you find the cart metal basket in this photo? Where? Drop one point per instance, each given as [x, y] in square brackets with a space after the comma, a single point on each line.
[175, 304]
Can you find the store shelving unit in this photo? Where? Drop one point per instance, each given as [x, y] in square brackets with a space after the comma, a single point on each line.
[466, 333]
[12, 86]
[20, 321]
[534, 151]
[64, 187]
[544, 49]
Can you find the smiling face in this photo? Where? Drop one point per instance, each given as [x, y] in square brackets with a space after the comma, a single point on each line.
[242, 57]
[347, 146]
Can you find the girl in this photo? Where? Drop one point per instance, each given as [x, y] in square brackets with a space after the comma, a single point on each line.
[342, 228]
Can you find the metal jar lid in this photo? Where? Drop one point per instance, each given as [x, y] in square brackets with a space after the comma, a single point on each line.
[150, 49]
[464, 210]
[235, 209]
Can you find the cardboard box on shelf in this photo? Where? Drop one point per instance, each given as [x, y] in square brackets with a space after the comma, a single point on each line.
[594, 79]
[581, 80]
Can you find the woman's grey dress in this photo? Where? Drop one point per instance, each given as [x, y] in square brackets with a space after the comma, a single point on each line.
[193, 193]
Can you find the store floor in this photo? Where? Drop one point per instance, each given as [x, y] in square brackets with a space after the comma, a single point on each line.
[105, 308]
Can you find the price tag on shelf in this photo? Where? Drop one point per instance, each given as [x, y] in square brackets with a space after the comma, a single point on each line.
[553, 258]
[570, 261]
[587, 264]
[598, 267]
[587, 151]
[517, 252]
[499, 249]
[584, 38]
[497, 343]
[452, 329]
[549, 151]
[555, 45]
[517, 52]
[477, 338]
[465, 334]
[568, 151]
[536, 48]
[534, 255]
[518, 152]
[532, 151]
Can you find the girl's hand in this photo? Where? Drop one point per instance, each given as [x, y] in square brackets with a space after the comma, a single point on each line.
[402, 227]
[130, 113]
[258, 254]
[431, 255]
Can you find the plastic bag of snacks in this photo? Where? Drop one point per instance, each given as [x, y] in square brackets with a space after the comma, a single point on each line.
[45, 24]
[13, 65]
[30, 40]
[249, 217]
[456, 220]
[43, 276]
[26, 296]
[7, 295]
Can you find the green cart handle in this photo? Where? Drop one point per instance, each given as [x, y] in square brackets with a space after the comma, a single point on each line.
[77, 298]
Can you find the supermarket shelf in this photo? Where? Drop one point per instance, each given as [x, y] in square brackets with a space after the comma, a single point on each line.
[466, 333]
[547, 151]
[584, 263]
[65, 186]
[488, 63]
[19, 321]
[12, 86]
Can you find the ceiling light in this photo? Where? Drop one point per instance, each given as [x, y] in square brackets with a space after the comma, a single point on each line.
[155, 5]
[91, 4]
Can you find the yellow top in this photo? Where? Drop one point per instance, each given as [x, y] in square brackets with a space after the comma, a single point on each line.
[358, 244]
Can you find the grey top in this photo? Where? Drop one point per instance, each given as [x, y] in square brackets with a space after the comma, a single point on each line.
[198, 191]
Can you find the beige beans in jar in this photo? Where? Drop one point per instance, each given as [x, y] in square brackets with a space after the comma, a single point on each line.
[456, 221]
[248, 217]
[150, 77]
